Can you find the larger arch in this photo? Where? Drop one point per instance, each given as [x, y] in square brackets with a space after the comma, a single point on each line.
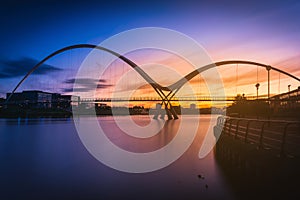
[157, 87]
[89, 46]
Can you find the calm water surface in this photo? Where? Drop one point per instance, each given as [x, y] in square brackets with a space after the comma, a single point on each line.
[45, 159]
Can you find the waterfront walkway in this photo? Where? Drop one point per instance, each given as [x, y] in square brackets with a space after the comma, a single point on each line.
[261, 158]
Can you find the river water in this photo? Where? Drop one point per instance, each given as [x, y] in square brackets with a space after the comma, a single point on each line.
[45, 159]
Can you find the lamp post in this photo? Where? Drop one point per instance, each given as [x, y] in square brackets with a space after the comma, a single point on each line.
[289, 89]
[268, 68]
[257, 87]
[298, 96]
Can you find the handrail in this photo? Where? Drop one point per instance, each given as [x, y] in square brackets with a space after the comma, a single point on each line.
[259, 120]
[257, 131]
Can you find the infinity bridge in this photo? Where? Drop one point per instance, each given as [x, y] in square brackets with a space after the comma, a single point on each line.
[166, 93]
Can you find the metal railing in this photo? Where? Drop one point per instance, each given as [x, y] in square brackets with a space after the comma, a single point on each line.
[280, 136]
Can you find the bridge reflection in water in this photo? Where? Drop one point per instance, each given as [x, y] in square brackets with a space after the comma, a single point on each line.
[260, 157]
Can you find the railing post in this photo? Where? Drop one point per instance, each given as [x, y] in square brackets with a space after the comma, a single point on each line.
[221, 124]
[247, 131]
[226, 121]
[261, 134]
[230, 125]
[224, 125]
[219, 121]
[282, 152]
[222, 119]
[237, 128]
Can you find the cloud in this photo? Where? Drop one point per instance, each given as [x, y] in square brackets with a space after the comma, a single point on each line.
[81, 89]
[84, 81]
[20, 67]
[85, 84]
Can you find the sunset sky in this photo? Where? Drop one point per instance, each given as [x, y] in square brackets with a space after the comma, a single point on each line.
[265, 32]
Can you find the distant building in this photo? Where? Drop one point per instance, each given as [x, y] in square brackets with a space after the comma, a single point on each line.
[30, 99]
[286, 100]
[192, 106]
[177, 109]
[40, 99]
[2, 100]
[100, 105]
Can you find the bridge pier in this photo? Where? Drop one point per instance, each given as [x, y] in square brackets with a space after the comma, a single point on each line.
[173, 112]
[158, 111]
[170, 112]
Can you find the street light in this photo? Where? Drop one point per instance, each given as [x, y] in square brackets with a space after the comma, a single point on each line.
[268, 68]
[257, 86]
[289, 86]
[298, 97]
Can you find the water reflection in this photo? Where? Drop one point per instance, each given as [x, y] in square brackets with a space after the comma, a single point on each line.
[134, 144]
[44, 158]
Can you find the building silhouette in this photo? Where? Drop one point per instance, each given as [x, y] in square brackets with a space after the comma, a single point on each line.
[289, 99]
[36, 99]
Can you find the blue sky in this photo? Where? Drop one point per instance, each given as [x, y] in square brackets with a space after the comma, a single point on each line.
[262, 31]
